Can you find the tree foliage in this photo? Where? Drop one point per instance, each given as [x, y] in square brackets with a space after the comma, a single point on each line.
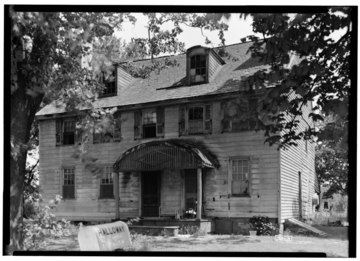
[331, 161]
[319, 74]
[46, 50]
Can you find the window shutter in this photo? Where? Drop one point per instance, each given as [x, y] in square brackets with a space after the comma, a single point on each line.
[182, 112]
[78, 132]
[117, 127]
[208, 118]
[58, 132]
[137, 125]
[160, 119]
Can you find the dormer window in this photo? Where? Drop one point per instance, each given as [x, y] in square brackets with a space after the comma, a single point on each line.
[197, 65]
[202, 65]
[198, 69]
[110, 85]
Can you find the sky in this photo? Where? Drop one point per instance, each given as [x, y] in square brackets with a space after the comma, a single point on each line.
[238, 28]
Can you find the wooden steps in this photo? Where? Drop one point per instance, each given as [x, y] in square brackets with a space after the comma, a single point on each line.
[302, 224]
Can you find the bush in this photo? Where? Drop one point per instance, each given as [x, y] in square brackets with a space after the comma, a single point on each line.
[43, 224]
[263, 226]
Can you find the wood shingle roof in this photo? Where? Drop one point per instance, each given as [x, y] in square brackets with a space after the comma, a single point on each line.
[168, 84]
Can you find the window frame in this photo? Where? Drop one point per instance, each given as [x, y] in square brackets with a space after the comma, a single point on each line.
[231, 176]
[115, 132]
[205, 58]
[202, 106]
[249, 124]
[63, 180]
[193, 52]
[104, 93]
[159, 125]
[59, 131]
[148, 125]
[108, 175]
[207, 126]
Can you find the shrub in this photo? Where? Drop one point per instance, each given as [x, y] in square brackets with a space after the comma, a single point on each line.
[263, 226]
[43, 224]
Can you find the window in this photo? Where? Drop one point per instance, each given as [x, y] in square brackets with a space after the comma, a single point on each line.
[66, 133]
[110, 85]
[149, 123]
[106, 184]
[68, 191]
[111, 133]
[240, 175]
[198, 69]
[240, 115]
[195, 119]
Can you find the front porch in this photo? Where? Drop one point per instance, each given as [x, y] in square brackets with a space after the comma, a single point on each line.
[170, 181]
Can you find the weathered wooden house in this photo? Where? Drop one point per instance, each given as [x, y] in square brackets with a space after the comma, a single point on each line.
[180, 143]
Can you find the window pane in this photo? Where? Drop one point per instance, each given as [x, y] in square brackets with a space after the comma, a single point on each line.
[198, 68]
[240, 177]
[68, 183]
[149, 117]
[106, 177]
[69, 126]
[196, 113]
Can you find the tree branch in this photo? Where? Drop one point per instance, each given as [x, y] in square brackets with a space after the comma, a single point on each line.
[31, 173]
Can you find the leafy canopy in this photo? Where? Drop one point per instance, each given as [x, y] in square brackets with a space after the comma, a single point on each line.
[320, 73]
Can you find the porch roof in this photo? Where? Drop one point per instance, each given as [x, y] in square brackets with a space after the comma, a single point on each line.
[166, 154]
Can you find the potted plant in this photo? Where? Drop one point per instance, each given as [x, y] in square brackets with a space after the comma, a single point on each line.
[190, 213]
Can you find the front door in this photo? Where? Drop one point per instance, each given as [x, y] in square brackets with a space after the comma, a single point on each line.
[150, 187]
[190, 189]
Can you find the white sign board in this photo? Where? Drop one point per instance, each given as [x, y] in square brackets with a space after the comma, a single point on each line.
[104, 237]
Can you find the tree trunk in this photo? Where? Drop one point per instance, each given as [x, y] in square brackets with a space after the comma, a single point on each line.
[23, 109]
[17, 171]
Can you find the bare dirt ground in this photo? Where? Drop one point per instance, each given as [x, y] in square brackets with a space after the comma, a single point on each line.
[334, 245]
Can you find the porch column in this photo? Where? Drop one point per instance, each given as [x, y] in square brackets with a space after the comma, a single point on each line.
[199, 193]
[116, 194]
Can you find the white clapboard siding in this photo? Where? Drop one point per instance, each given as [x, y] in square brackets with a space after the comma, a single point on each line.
[293, 161]
[264, 186]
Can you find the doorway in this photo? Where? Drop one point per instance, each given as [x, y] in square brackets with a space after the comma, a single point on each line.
[190, 189]
[150, 196]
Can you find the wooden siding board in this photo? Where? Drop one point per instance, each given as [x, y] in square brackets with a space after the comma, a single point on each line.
[264, 182]
[292, 161]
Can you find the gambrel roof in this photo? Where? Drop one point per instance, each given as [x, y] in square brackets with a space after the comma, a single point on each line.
[168, 84]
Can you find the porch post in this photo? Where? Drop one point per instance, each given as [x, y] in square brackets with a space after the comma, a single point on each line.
[199, 193]
[116, 194]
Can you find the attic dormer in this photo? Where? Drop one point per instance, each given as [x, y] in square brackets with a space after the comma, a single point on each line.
[201, 64]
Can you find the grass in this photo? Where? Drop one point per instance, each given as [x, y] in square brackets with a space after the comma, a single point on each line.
[335, 245]
[325, 217]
